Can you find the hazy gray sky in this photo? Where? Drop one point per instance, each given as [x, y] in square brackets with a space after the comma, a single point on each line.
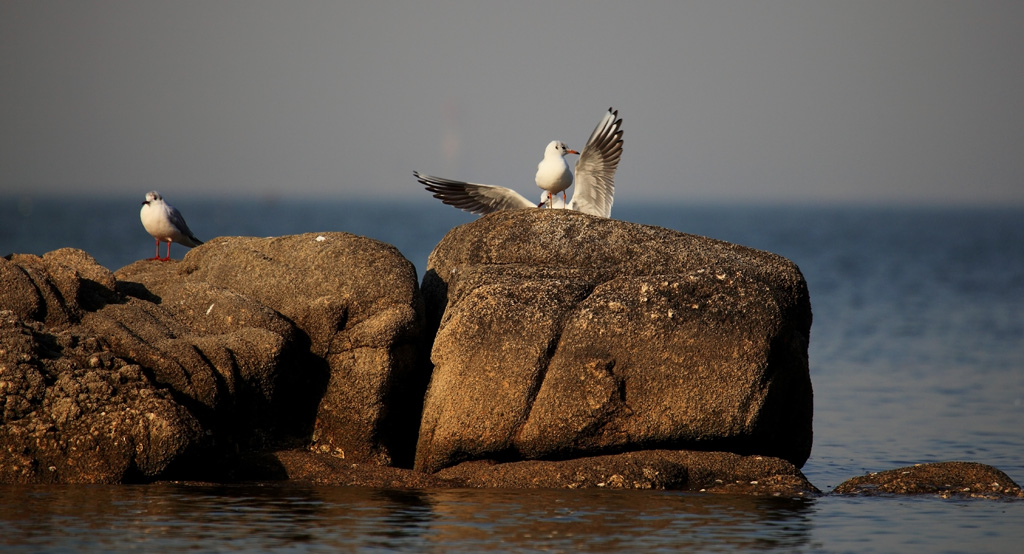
[875, 101]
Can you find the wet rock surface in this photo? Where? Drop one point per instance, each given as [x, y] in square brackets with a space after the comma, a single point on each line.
[946, 479]
[713, 472]
[650, 469]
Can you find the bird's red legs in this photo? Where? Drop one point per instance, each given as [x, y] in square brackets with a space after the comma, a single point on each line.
[157, 257]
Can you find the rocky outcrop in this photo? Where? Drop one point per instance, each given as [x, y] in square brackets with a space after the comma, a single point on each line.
[564, 336]
[348, 313]
[945, 479]
[606, 355]
[246, 345]
[72, 410]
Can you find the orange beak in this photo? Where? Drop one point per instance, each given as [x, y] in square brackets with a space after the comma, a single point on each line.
[572, 152]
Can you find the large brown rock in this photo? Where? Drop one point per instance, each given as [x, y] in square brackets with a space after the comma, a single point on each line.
[562, 335]
[356, 308]
[168, 369]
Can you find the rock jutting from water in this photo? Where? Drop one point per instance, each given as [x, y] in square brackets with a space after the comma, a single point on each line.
[568, 351]
[561, 335]
[945, 479]
[166, 369]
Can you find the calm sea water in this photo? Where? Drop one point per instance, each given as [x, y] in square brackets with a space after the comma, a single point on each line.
[917, 355]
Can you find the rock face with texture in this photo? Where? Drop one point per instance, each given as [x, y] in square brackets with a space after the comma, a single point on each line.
[356, 306]
[562, 335]
[247, 344]
[71, 410]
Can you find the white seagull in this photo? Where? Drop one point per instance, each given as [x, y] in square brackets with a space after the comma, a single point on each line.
[164, 222]
[553, 173]
[595, 178]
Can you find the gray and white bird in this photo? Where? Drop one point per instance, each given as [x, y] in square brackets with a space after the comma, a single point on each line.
[595, 178]
[165, 223]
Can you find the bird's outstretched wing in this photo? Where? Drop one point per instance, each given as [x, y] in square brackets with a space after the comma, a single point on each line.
[595, 170]
[473, 197]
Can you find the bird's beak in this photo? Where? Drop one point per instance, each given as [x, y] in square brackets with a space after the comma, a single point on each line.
[572, 152]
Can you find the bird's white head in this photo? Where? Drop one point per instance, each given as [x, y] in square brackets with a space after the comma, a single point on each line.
[152, 196]
[558, 148]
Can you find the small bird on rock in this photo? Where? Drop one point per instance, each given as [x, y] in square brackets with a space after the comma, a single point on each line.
[165, 223]
[553, 173]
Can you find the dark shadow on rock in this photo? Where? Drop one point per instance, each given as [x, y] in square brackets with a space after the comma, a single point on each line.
[93, 296]
[221, 467]
[301, 387]
[435, 298]
[400, 423]
[137, 290]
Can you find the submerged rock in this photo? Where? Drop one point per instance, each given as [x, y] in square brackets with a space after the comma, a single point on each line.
[946, 479]
[723, 472]
[325, 469]
[562, 335]
[715, 472]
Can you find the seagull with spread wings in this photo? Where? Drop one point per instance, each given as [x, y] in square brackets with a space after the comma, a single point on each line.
[595, 178]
